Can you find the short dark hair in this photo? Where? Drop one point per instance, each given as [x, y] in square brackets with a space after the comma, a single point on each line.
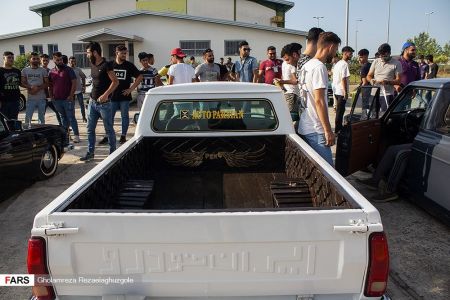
[243, 43]
[326, 38]
[57, 54]
[72, 57]
[271, 48]
[347, 49]
[313, 34]
[34, 54]
[65, 59]
[384, 48]
[289, 49]
[142, 55]
[6, 53]
[94, 46]
[121, 48]
[363, 52]
[45, 56]
[207, 51]
[192, 58]
[429, 57]
[149, 55]
[421, 56]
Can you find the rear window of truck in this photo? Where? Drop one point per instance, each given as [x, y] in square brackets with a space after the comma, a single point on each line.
[215, 115]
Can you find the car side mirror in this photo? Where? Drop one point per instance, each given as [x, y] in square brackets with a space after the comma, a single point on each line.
[136, 118]
[14, 125]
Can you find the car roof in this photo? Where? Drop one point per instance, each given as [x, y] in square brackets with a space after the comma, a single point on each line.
[437, 83]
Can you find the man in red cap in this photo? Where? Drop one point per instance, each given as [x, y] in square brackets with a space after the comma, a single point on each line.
[180, 72]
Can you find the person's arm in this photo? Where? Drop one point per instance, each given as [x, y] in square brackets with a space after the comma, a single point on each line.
[136, 82]
[24, 83]
[255, 71]
[371, 73]
[171, 78]
[72, 89]
[114, 84]
[83, 81]
[344, 86]
[322, 113]
[259, 74]
[158, 81]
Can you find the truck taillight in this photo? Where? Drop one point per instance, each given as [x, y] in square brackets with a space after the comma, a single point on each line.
[378, 270]
[36, 263]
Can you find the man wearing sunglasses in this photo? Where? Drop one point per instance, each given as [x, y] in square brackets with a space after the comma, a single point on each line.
[246, 68]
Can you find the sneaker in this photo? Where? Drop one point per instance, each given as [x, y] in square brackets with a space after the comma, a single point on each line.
[122, 140]
[76, 139]
[385, 197]
[104, 141]
[369, 183]
[87, 157]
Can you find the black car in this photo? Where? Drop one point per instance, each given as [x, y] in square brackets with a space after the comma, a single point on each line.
[420, 115]
[31, 153]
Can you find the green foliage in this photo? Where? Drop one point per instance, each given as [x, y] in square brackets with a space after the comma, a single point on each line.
[446, 49]
[22, 61]
[426, 45]
[441, 59]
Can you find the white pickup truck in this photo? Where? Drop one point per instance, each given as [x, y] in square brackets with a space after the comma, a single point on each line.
[215, 197]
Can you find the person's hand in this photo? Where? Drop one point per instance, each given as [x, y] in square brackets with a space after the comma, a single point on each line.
[103, 98]
[127, 92]
[329, 138]
[345, 95]
[33, 89]
[70, 98]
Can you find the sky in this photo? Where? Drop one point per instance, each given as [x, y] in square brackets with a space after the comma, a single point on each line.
[408, 18]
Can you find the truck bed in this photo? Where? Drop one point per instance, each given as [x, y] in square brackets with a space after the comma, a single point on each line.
[210, 173]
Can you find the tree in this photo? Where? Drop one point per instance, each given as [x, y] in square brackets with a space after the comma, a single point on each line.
[446, 49]
[22, 61]
[426, 45]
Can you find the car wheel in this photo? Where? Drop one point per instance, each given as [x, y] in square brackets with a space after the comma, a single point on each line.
[22, 103]
[48, 163]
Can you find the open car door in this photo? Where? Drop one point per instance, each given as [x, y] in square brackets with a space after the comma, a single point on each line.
[358, 141]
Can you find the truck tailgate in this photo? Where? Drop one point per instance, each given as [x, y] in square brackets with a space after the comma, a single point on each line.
[210, 254]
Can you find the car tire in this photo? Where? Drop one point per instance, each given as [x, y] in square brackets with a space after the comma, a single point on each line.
[22, 102]
[48, 163]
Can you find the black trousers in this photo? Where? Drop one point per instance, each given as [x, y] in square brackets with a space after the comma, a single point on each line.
[340, 110]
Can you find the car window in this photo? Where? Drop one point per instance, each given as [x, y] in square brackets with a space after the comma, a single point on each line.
[2, 125]
[365, 107]
[415, 98]
[214, 115]
[444, 126]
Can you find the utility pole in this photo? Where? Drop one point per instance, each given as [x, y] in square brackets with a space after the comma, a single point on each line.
[428, 23]
[389, 20]
[356, 35]
[346, 21]
[318, 18]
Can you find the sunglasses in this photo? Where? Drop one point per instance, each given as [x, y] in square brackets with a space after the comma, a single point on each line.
[246, 49]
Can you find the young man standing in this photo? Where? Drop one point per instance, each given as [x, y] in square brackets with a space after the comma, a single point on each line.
[81, 83]
[311, 47]
[341, 84]
[104, 82]
[246, 68]
[410, 68]
[10, 81]
[150, 77]
[314, 125]
[385, 72]
[180, 72]
[270, 68]
[62, 83]
[363, 59]
[121, 96]
[424, 68]
[434, 68]
[208, 71]
[35, 80]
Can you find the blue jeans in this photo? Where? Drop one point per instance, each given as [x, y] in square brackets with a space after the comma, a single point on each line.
[317, 142]
[95, 111]
[79, 97]
[10, 109]
[32, 104]
[66, 110]
[124, 107]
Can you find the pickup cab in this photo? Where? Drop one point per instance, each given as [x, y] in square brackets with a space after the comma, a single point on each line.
[217, 197]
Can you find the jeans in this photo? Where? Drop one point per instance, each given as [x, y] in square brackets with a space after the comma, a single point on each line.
[79, 97]
[317, 142]
[66, 110]
[95, 111]
[124, 107]
[32, 104]
[50, 104]
[10, 109]
[340, 111]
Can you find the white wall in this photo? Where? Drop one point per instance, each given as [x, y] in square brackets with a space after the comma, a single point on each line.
[101, 8]
[160, 42]
[251, 12]
[70, 14]
[217, 9]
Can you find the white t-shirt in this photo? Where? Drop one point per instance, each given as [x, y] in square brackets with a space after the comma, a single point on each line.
[315, 77]
[286, 72]
[182, 73]
[340, 71]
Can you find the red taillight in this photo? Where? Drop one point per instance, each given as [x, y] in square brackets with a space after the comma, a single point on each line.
[378, 271]
[36, 263]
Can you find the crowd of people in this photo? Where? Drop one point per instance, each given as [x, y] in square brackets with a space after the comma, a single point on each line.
[303, 76]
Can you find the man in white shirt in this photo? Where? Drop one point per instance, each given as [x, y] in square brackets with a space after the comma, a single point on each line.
[341, 83]
[314, 125]
[180, 72]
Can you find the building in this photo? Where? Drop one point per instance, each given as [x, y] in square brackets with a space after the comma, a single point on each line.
[156, 26]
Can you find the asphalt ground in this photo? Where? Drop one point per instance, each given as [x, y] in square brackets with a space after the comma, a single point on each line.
[419, 245]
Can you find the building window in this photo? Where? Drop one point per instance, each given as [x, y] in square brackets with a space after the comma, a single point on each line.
[79, 52]
[38, 49]
[194, 48]
[232, 47]
[21, 49]
[52, 48]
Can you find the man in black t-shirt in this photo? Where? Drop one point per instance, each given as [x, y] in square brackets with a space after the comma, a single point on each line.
[363, 58]
[121, 97]
[10, 81]
[104, 82]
